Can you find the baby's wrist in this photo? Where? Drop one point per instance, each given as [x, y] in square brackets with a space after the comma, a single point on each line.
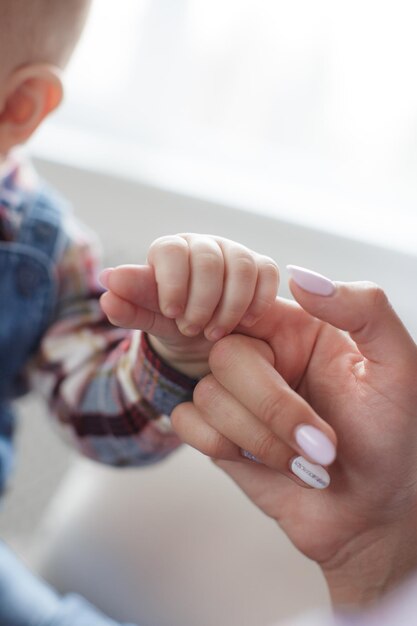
[192, 365]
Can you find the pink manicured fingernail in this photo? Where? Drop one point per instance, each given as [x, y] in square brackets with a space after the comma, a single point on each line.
[313, 475]
[311, 281]
[248, 455]
[315, 444]
[104, 277]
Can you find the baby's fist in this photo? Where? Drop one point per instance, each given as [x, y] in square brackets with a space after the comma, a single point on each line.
[210, 284]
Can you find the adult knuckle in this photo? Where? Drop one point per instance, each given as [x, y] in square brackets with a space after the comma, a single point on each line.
[270, 409]
[376, 296]
[264, 445]
[380, 298]
[205, 392]
[222, 354]
[214, 445]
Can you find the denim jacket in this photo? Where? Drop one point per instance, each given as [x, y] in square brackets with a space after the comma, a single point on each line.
[108, 391]
[27, 299]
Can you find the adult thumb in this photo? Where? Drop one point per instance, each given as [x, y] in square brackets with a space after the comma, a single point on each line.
[360, 308]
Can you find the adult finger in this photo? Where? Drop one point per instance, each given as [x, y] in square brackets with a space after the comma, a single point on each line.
[360, 308]
[228, 417]
[192, 429]
[224, 413]
[238, 363]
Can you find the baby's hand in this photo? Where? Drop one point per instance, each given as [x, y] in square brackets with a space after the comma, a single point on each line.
[195, 290]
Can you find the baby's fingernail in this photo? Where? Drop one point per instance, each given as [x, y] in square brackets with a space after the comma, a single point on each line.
[315, 444]
[311, 281]
[311, 474]
[104, 277]
[192, 330]
[173, 311]
[215, 334]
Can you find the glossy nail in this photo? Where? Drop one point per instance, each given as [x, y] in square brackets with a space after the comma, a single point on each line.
[311, 474]
[248, 455]
[315, 444]
[311, 281]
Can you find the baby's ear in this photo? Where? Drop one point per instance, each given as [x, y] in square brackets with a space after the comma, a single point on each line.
[30, 94]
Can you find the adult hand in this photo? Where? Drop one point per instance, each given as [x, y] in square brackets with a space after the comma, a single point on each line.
[302, 366]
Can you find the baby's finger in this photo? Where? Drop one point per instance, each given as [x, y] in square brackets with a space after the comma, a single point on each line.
[205, 286]
[169, 256]
[241, 274]
[265, 292]
[127, 315]
[133, 283]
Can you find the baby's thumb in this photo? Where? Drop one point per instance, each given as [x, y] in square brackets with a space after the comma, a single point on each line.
[361, 308]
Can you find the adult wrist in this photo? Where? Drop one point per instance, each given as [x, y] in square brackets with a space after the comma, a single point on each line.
[370, 565]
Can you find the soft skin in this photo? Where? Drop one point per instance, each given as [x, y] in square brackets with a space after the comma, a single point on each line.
[194, 290]
[361, 529]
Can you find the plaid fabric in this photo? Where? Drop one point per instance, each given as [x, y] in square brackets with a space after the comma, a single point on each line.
[107, 389]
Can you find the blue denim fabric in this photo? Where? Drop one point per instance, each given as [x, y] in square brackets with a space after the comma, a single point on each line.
[27, 301]
[29, 601]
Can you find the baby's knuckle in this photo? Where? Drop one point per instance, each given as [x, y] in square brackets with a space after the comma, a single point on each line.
[270, 268]
[166, 243]
[199, 312]
[245, 268]
[209, 262]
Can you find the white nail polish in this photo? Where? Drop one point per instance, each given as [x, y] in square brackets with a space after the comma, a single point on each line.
[315, 444]
[311, 281]
[313, 475]
[248, 455]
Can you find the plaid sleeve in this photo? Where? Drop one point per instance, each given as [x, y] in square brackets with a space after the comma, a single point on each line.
[107, 388]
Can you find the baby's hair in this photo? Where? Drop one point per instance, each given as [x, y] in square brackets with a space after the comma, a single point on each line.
[39, 31]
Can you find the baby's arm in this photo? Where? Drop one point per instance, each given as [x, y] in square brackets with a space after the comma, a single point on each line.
[106, 387]
[195, 290]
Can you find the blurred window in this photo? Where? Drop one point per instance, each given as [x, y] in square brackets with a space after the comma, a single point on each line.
[305, 108]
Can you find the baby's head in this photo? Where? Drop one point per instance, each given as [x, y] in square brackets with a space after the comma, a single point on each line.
[37, 38]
